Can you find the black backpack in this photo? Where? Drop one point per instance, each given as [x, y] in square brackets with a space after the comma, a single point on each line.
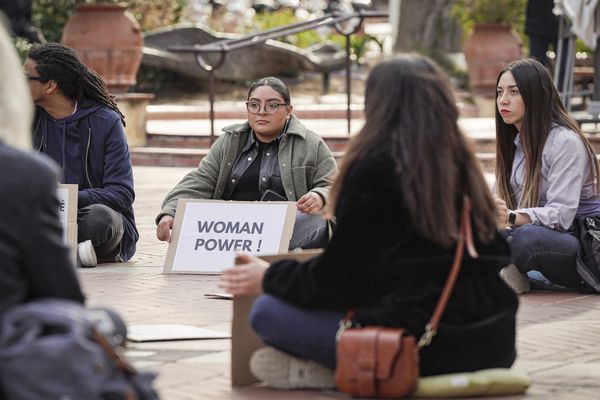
[588, 255]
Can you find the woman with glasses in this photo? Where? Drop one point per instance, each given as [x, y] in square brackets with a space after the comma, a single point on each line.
[271, 156]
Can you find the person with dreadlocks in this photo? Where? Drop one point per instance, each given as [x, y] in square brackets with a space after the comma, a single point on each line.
[79, 125]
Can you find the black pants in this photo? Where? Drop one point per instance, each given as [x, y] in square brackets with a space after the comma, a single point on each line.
[104, 227]
[538, 46]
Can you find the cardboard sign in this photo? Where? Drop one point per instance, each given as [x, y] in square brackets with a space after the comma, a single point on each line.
[67, 213]
[208, 233]
[244, 340]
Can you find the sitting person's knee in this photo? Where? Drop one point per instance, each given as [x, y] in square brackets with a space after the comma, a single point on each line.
[261, 314]
[100, 224]
[310, 232]
[527, 236]
[101, 218]
[102, 214]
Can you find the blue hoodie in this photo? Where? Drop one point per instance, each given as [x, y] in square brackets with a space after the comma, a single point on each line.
[92, 150]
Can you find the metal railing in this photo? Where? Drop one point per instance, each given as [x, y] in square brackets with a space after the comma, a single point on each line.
[353, 22]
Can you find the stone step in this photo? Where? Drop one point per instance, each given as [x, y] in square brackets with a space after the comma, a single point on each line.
[183, 142]
[303, 108]
[177, 157]
[166, 156]
[201, 127]
[237, 110]
[172, 157]
[335, 143]
[186, 157]
[333, 126]
[194, 133]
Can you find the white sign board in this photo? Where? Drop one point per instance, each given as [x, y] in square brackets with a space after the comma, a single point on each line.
[67, 214]
[67, 205]
[208, 233]
[63, 206]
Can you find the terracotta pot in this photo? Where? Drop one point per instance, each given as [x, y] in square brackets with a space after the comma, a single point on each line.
[107, 39]
[487, 51]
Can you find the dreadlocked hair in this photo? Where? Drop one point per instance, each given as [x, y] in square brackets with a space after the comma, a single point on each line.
[76, 81]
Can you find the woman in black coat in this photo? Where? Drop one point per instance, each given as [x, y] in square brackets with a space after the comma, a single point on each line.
[397, 201]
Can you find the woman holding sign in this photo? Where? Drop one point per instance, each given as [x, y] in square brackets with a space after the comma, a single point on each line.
[272, 156]
[398, 201]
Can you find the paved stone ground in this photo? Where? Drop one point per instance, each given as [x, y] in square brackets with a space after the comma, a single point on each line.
[558, 332]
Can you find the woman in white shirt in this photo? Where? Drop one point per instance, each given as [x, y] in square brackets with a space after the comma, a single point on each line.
[546, 173]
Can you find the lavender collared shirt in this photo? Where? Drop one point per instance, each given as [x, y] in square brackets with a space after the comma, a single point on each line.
[566, 184]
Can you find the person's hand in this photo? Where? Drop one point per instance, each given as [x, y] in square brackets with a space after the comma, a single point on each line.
[501, 211]
[163, 230]
[246, 277]
[311, 202]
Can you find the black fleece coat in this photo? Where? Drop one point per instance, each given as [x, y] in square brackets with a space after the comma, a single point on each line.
[540, 21]
[378, 264]
[34, 261]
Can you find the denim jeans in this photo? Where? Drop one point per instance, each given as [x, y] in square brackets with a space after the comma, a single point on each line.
[308, 334]
[104, 227]
[552, 253]
[311, 231]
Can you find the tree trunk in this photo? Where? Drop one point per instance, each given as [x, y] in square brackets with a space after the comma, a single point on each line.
[426, 25]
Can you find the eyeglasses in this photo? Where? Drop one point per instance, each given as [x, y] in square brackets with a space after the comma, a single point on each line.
[269, 108]
[35, 78]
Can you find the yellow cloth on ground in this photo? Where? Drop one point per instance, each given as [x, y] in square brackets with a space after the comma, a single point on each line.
[486, 382]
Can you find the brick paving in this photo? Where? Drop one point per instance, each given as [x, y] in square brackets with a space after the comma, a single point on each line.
[558, 332]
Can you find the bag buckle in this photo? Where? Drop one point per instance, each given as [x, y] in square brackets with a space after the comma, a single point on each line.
[344, 324]
[425, 339]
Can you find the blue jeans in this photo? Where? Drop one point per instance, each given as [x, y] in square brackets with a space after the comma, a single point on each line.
[308, 334]
[311, 231]
[552, 253]
[104, 227]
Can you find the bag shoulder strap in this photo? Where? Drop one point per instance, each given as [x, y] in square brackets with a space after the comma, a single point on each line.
[465, 238]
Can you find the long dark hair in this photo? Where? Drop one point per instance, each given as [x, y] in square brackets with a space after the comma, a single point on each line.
[543, 107]
[75, 80]
[410, 112]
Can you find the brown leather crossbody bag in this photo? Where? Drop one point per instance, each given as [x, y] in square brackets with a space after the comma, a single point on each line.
[382, 362]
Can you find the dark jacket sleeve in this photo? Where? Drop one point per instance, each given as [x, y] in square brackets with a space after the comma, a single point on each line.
[46, 262]
[346, 275]
[116, 189]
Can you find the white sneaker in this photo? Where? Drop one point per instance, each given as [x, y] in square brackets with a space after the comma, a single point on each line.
[515, 279]
[86, 254]
[281, 371]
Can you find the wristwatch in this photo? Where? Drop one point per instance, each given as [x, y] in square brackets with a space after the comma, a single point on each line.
[512, 218]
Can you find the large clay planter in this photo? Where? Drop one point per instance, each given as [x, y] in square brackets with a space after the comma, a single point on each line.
[487, 51]
[107, 39]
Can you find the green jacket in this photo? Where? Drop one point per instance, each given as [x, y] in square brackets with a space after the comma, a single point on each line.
[305, 162]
